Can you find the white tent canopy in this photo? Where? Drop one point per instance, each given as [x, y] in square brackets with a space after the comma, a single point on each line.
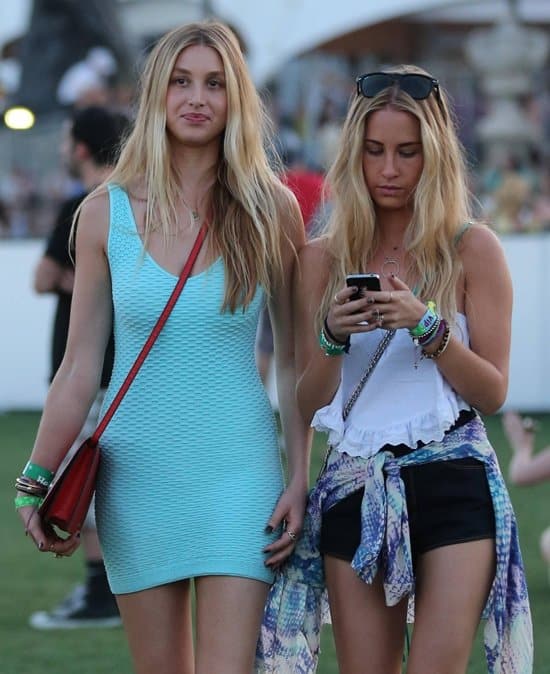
[275, 31]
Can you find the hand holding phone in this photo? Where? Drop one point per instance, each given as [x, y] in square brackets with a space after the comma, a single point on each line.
[370, 282]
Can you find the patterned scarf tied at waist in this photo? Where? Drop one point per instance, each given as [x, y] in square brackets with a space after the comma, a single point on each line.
[297, 605]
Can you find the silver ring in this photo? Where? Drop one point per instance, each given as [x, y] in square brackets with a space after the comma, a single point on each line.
[291, 535]
[381, 319]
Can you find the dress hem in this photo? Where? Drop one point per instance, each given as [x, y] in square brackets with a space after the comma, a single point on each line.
[194, 569]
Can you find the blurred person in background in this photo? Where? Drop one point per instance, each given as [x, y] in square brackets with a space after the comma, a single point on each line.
[527, 467]
[190, 486]
[89, 148]
[410, 515]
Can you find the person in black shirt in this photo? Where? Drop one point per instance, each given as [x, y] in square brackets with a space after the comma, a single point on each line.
[89, 149]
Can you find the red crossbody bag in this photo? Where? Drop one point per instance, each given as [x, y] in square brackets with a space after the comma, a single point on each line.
[69, 496]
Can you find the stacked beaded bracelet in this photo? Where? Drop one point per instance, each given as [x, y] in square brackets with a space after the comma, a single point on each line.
[330, 345]
[442, 346]
[436, 331]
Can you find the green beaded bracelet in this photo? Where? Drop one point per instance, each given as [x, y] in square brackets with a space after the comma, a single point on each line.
[41, 475]
[22, 501]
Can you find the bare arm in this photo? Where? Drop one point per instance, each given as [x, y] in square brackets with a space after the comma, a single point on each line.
[526, 467]
[290, 507]
[479, 374]
[318, 374]
[47, 275]
[78, 377]
[77, 380]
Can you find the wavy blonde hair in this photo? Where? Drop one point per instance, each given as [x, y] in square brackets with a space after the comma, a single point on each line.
[247, 197]
[441, 199]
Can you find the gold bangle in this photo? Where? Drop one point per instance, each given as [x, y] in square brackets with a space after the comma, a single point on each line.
[442, 346]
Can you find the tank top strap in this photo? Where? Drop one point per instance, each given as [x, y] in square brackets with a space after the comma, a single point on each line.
[465, 227]
[124, 242]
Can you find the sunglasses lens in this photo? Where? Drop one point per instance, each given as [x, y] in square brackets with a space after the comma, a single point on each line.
[374, 84]
[417, 86]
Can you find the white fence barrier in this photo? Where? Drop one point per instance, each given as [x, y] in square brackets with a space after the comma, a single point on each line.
[26, 321]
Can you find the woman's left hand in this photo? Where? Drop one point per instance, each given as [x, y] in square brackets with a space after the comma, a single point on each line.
[288, 514]
[395, 308]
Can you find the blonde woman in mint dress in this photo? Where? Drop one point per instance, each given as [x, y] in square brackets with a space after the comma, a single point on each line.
[191, 484]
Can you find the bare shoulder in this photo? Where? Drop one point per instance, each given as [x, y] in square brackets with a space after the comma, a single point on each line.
[289, 214]
[93, 220]
[315, 252]
[315, 262]
[480, 249]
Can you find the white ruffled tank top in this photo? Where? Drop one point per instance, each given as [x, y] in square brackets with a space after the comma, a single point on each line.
[406, 400]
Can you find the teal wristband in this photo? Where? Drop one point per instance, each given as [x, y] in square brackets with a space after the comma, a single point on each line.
[41, 475]
[22, 501]
[329, 347]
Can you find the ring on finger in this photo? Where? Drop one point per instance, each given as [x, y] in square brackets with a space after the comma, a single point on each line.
[291, 535]
[381, 319]
[391, 296]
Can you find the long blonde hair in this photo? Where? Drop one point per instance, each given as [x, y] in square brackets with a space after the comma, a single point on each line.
[246, 199]
[441, 199]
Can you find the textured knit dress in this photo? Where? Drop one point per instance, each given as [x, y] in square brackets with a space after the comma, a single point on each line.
[190, 469]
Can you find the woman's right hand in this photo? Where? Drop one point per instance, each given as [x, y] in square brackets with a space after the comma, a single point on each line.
[44, 536]
[346, 316]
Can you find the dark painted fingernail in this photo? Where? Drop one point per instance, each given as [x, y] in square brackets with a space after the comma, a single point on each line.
[78, 534]
[41, 545]
[269, 529]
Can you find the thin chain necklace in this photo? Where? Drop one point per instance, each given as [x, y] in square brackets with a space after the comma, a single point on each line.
[195, 216]
[391, 265]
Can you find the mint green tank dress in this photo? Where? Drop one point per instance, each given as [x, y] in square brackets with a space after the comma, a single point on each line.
[190, 469]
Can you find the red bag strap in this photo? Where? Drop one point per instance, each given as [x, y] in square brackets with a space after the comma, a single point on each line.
[152, 337]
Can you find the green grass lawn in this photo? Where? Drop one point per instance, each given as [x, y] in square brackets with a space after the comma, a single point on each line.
[31, 581]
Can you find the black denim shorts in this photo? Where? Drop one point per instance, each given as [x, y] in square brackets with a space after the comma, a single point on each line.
[448, 502]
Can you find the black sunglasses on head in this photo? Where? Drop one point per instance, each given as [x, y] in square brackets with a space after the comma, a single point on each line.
[417, 86]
